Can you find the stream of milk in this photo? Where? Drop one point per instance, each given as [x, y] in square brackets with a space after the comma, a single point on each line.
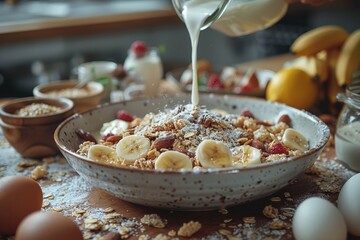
[195, 14]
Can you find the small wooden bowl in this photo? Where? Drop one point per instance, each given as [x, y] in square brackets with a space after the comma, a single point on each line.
[81, 103]
[33, 137]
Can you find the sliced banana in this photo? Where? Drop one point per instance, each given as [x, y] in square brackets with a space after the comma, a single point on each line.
[101, 153]
[132, 147]
[246, 156]
[214, 154]
[116, 127]
[295, 140]
[173, 160]
[223, 113]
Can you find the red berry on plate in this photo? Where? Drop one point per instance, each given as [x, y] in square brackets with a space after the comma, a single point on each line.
[277, 147]
[214, 82]
[125, 116]
[139, 48]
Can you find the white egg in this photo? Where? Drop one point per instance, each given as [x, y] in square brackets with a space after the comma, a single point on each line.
[349, 204]
[317, 219]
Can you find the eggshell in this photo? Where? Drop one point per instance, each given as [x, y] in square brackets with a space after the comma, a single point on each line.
[47, 226]
[349, 204]
[19, 196]
[317, 219]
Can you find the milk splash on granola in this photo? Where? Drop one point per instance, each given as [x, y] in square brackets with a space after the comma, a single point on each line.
[195, 13]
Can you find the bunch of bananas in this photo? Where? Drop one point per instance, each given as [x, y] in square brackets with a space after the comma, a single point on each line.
[329, 54]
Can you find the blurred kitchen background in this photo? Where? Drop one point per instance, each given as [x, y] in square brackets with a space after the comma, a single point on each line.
[44, 41]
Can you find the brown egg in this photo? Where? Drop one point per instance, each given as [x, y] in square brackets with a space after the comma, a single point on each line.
[19, 196]
[48, 226]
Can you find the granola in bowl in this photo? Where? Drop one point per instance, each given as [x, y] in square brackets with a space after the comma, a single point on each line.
[135, 178]
[189, 137]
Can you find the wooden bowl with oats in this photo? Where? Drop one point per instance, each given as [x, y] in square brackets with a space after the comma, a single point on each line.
[83, 98]
[28, 124]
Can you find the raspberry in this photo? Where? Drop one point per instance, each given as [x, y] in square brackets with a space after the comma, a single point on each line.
[276, 147]
[214, 82]
[139, 48]
[125, 116]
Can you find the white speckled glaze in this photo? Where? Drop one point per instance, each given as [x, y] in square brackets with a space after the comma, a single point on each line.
[192, 190]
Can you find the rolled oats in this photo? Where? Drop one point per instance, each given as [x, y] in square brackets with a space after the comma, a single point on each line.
[39, 172]
[275, 199]
[249, 220]
[270, 212]
[153, 220]
[37, 109]
[71, 92]
[172, 233]
[188, 229]
[278, 224]
[225, 232]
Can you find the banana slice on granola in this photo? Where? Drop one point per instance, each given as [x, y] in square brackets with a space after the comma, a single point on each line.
[173, 160]
[214, 154]
[132, 147]
[246, 156]
[102, 154]
[223, 113]
[295, 140]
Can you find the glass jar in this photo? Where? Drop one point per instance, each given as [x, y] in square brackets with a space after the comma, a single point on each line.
[347, 137]
[147, 72]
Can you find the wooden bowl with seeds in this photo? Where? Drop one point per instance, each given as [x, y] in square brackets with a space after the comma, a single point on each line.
[28, 124]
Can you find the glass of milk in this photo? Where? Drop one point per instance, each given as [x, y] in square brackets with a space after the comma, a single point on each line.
[236, 17]
[148, 70]
[347, 137]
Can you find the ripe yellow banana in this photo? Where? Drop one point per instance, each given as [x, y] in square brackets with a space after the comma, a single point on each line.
[318, 39]
[332, 88]
[315, 67]
[349, 59]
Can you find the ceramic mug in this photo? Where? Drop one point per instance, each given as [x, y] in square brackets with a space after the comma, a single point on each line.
[98, 71]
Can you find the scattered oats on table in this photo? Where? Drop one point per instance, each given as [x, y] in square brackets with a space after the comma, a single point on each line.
[249, 220]
[39, 172]
[188, 229]
[270, 212]
[153, 220]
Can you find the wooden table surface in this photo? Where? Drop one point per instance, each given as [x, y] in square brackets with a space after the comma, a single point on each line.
[66, 192]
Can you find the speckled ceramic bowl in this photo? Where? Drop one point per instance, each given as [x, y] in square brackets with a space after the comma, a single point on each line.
[192, 190]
